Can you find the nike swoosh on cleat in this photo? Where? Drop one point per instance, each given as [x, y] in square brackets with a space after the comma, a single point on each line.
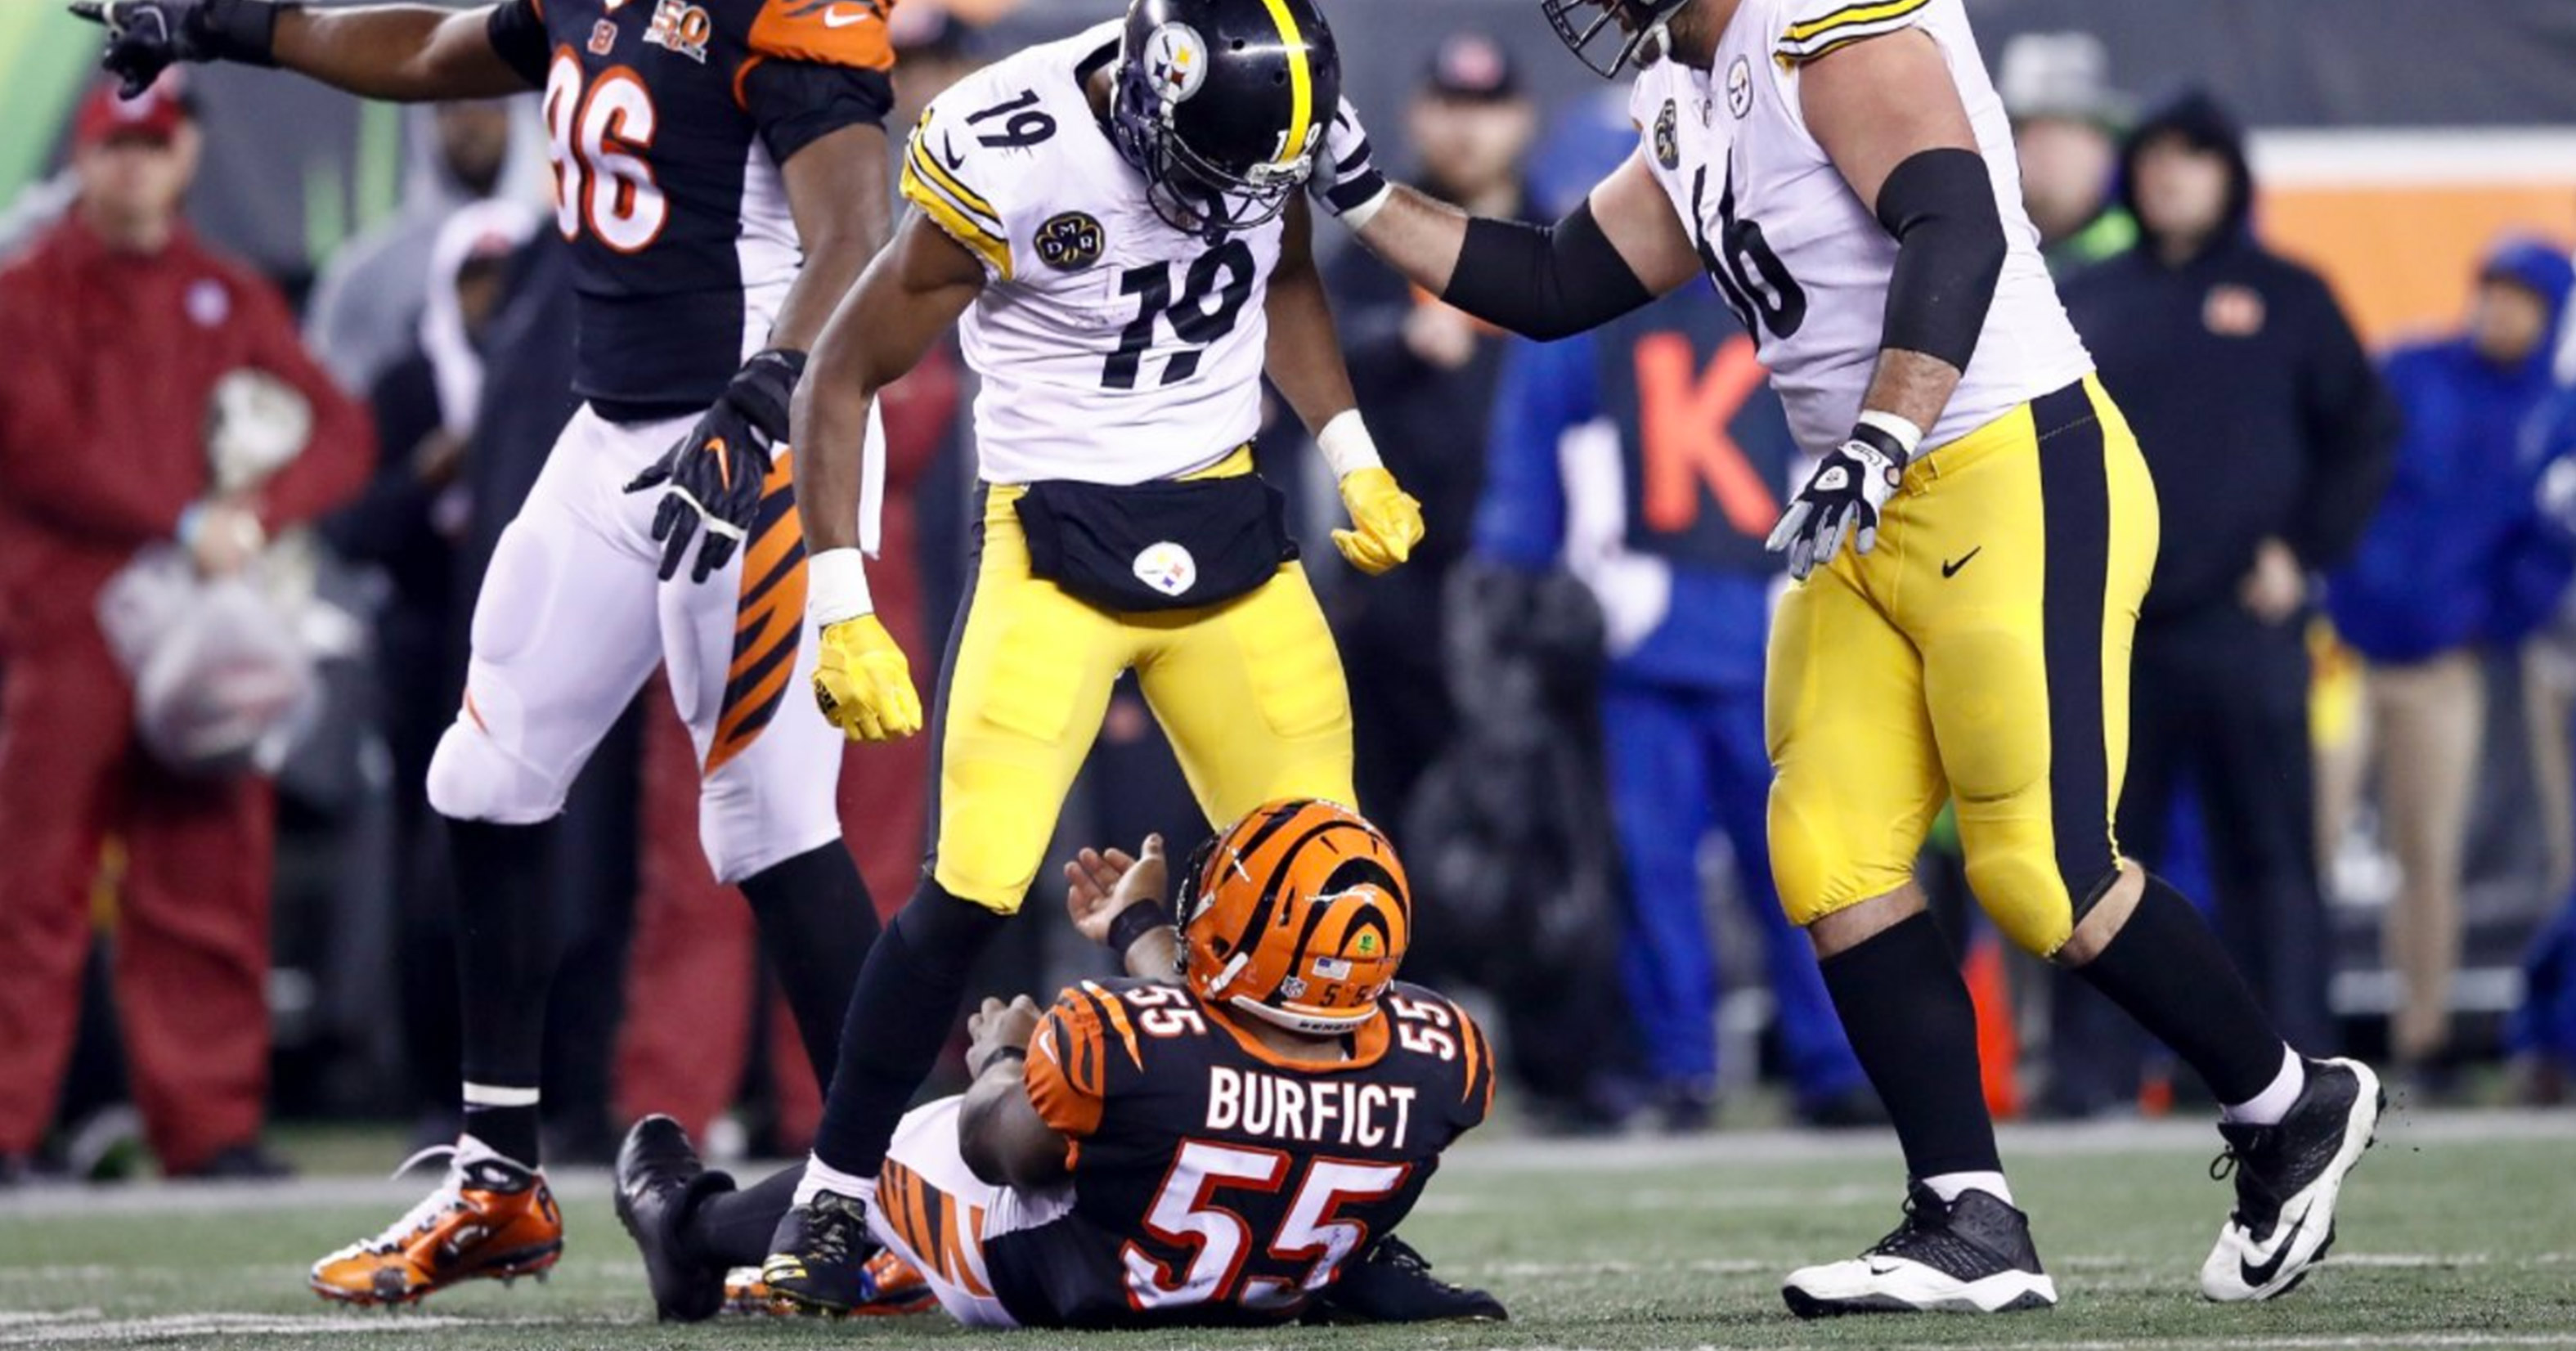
[837, 17]
[2258, 1275]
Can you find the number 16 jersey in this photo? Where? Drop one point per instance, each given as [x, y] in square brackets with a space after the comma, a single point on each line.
[1789, 244]
[1112, 347]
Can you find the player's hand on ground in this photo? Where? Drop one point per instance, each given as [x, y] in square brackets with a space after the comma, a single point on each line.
[147, 37]
[713, 478]
[863, 684]
[998, 1027]
[1385, 521]
[1101, 883]
[1346, 181]
[1841, 502]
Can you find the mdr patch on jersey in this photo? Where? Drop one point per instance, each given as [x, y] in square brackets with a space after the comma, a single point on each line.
[1113, 347]
[1804, 264]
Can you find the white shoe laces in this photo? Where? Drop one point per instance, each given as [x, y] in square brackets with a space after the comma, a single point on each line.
[446, 1197]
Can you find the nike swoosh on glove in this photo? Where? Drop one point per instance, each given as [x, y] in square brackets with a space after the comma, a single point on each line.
[863, 684]
[1386, 521]
[1841, 501]
[716, 474]
[147, 37]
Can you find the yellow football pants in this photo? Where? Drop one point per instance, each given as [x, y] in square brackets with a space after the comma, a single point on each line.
[1979, 653]
[1250, 693]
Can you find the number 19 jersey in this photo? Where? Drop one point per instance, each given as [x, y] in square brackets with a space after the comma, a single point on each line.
[1784, 237]
[1214, 1182]
[1112, 347]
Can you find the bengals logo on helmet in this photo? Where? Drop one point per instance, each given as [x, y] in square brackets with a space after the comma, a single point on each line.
[1299, 915]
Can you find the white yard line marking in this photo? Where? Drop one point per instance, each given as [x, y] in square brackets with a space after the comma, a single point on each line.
[174, 1326]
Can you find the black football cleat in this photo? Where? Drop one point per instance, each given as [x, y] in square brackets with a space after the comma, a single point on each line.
[1972, 1255]
[819, 1258]
[1394, 1284]
[659, 1177]
[2288, 1178]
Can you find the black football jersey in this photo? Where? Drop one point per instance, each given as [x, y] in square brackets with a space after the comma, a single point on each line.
[667, 121]
[1214, 1182]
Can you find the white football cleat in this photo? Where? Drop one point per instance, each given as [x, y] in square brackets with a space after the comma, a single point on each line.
[2288, 1177]
[1972, 1255]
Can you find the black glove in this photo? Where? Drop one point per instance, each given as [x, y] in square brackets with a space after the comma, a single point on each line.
[1346, 181]
[1841, 501]
[717, 471]
[147, 37]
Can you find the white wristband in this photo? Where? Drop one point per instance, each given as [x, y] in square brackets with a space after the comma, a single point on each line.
[1906, 433]
[836, 587]
[1347, 445]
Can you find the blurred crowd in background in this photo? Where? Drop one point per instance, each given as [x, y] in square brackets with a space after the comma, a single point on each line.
[222, 900]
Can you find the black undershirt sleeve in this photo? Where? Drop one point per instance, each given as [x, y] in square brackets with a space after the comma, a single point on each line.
[1940, 206]
[797, 103]
[1544, 281]
[517, 30]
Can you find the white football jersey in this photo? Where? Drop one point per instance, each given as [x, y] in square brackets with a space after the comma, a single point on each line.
[1786, 240]
[1112, 347]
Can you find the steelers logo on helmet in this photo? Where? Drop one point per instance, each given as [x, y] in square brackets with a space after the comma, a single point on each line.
[1220, 104]
[1300, 915]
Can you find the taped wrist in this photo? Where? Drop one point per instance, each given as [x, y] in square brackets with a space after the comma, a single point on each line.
[1940, 206]
[764, 386]
[242, 31]
[1135, 922]
[1543, 282]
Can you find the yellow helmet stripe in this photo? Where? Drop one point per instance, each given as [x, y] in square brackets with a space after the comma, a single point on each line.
[1301, 82]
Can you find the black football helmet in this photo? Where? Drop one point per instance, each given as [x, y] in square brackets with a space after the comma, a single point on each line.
[1636, 26]
[1221, 105]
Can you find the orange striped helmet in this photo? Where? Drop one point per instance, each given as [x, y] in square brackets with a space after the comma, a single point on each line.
[1299, 915]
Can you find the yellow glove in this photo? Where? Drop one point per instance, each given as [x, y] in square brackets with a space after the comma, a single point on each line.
[1386, 521]
[863, 683]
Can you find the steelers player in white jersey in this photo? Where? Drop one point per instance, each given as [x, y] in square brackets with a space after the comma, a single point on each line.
[1843, 172]
[1115, 221]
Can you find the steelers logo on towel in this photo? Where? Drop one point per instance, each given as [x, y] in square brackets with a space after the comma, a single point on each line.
[1168, 568]
[1071, 242]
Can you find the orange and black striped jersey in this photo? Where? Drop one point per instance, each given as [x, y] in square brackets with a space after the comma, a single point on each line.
[1214, 1181]
[668, 122]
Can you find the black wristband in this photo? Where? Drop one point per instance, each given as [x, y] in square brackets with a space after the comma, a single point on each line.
[242, 31]
[999, 1055]
[765, 385]
[1134, 923]
[1881, 440]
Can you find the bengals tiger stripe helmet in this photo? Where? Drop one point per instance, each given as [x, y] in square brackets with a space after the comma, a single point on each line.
[1299, 914]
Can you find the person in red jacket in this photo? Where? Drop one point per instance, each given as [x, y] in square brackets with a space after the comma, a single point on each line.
[117, 325]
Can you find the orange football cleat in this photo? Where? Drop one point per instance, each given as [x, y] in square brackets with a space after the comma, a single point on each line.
[489, 1218]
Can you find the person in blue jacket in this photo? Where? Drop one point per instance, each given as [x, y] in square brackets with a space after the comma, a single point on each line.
[2457, 562]
[1646, 458]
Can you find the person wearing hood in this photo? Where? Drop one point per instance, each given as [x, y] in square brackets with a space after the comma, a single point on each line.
[2437, 582]
[2270, 439]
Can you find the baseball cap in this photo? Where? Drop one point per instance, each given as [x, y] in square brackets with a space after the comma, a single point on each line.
[1472, 67]
[154, 115]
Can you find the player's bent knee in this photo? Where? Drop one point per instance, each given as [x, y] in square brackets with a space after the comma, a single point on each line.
[2022, 892]
[982, 877]
[472, 778]
[744, 831]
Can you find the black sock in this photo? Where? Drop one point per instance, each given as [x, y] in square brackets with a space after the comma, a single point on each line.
[505, 962]
[1914, 1029]
[733, 1228]
[907, 1002]
[817, 923]
[2165, 968]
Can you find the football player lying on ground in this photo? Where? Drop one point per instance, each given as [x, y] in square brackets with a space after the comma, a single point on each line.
[1229, 1136]
[1845, 175]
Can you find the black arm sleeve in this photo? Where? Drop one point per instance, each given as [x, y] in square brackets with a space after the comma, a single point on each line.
[517, 29]
[2352, 428]
[1940, 206]
[797, 103]
[1544, 282]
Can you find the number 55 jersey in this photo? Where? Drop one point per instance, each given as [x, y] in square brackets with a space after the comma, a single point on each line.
[1113, 347]
[1792, 248]
[1213, 1183]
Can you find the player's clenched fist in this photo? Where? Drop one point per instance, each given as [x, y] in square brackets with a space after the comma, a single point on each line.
[146, 37]
[863, 684]
[1385, 521]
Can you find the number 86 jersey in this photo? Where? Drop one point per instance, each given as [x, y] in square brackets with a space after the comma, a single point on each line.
[1214, 1182]
[1112, 347]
